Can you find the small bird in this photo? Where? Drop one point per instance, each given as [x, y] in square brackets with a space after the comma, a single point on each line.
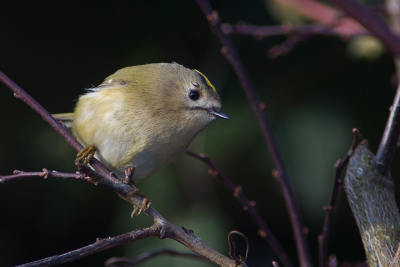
[143, 117]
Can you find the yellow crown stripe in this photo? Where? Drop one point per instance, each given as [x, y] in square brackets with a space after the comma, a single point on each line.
[208, 82]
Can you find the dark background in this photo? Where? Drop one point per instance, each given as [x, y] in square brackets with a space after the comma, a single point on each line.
[315, 96]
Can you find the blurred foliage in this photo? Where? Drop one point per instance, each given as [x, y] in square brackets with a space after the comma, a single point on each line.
[315, 96]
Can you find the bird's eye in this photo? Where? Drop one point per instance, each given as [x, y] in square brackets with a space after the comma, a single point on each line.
[194, 95]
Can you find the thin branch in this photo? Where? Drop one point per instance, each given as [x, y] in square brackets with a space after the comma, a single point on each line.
[388, 145]
[100, 245]
[45, 174]
[323, 239]
[126, 191]
[122, 262]
[285, 47]
[260, 32]
[249, 206]
[259, 108]
[372, 22]
[58, 126]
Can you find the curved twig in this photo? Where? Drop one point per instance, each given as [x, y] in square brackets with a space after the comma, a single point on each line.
[249, 206]
[259, 108]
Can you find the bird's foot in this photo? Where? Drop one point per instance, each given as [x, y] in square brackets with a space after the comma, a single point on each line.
[86, 154]
[146, 202]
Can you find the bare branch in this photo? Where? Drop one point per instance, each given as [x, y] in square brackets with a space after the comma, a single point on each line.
[266, 31]
[373, 203]
[285, 47]
[323, 239]
[259, 108]
[127, 191]
[122, 262]
[100, 245]
[372, 22]
[249, 206]
[388, 145]
[45, 174]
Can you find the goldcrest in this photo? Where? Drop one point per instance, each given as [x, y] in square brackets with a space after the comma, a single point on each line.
[144, 116]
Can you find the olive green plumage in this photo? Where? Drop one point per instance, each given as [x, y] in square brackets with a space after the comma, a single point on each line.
[145, 116]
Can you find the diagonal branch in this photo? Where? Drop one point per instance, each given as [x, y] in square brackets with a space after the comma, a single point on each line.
[45, 174]
[372, 22]
[266, 31]
[388, 145]
[100, 245]
[249, 206]
[259, 108]
[126, 191]
[323, 239]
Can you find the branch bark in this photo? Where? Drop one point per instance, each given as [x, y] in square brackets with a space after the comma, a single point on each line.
[372, 201]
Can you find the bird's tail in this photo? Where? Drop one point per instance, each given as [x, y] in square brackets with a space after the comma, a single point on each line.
[66, 118]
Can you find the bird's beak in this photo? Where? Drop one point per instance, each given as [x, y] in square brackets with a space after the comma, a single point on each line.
[217, 113]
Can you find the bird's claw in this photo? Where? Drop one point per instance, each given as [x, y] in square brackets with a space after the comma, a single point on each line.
[86, 154]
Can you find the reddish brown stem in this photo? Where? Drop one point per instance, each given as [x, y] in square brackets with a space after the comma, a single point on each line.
[249, 206]
[45, 174]
[266, 31]
[323, 239]
[259, 108]
[100, 245]
[372, 22]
